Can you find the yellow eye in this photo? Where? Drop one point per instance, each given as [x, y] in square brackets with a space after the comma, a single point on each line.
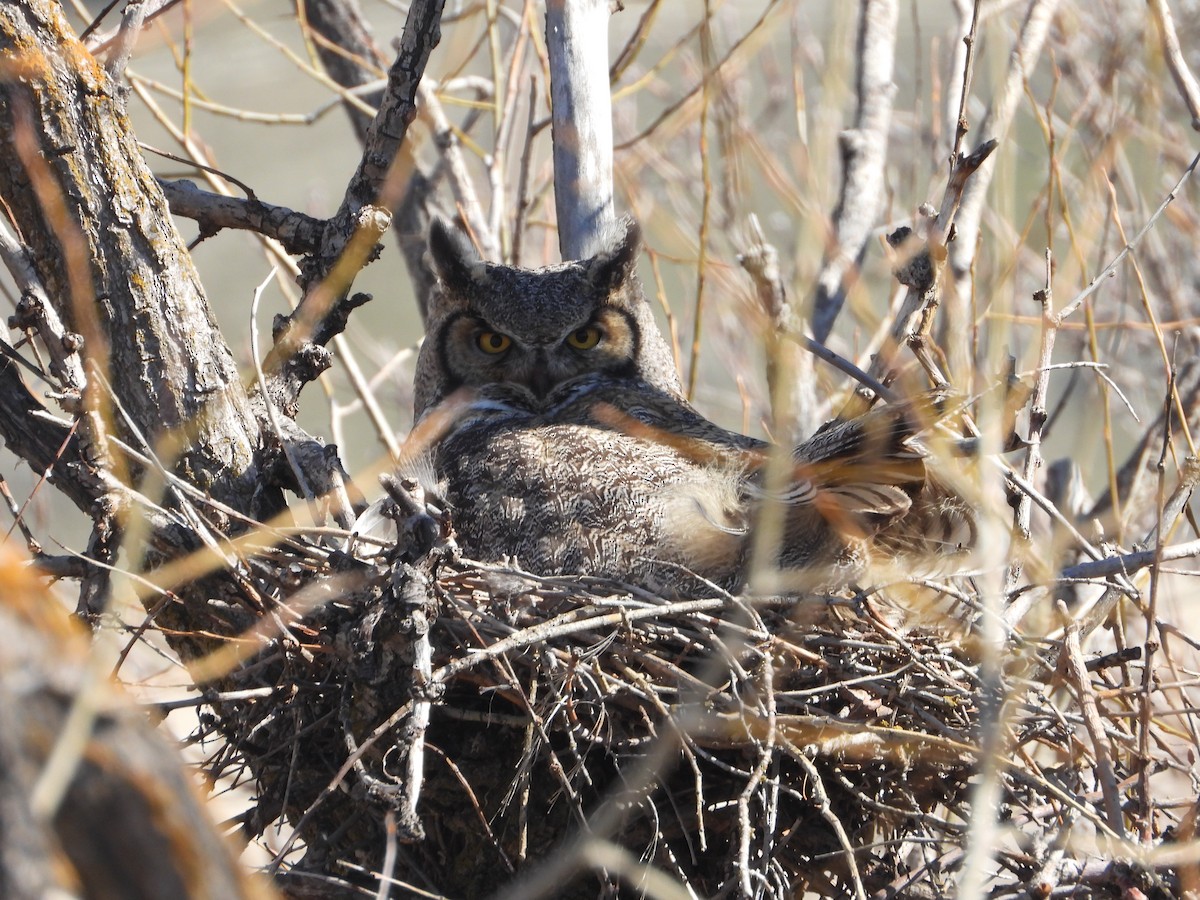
[584, 338]
[493, 342]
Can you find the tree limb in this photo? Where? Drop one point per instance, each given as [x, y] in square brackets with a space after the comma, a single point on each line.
[864, 153]
[581, 119]
[103, 245]
[296, 231]
[351, 236]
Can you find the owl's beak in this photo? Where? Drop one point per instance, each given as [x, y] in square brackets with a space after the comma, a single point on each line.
[540, 381]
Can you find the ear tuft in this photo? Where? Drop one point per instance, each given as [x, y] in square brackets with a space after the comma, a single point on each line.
[617, 262]
[451, 252]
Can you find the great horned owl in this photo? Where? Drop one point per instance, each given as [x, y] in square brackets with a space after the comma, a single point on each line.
[565, 445]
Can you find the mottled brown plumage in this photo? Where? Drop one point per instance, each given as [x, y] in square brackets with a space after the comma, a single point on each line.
[568, 448]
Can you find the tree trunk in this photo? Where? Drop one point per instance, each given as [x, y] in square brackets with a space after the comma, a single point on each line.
[103, 244]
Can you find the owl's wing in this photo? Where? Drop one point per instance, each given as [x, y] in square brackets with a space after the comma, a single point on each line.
[871, 477]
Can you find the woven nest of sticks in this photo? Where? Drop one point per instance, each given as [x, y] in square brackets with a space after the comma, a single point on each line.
[475, 726]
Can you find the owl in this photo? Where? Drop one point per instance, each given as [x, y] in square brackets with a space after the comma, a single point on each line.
[561, 442]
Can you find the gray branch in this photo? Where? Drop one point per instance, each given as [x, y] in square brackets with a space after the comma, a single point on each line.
[351, 236]
[581, 119]
[296, 231]
[864, 153]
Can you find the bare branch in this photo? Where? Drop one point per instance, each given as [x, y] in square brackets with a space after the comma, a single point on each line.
[352, 234]
[296, 231]
[864, 152]
[994, 127]
[1102, 753]
[128, 32]
[581, 118]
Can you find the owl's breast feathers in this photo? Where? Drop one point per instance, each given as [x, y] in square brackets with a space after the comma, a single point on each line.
[637, 486]
[575, 497]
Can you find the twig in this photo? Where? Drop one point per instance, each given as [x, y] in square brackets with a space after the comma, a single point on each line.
[1037, 421]
[412, 594]
[1128, 563]
[1153, 636]
[709, 74]
[1176, 505]
[306, 491]
[500, 206]
[766, 755]
[1101, 750]
[790, 380]
[475, 805]
[1189, 90]
[821, 801]
[451, 163]
[246, 115]
[684, 101]
[523, 202]
[19, 522]
[1109, 270]
[98, 43]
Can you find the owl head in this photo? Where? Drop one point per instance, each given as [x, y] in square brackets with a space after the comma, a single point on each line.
[524, 335]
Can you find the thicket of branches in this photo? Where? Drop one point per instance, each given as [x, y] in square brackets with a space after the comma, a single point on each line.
[994, 200]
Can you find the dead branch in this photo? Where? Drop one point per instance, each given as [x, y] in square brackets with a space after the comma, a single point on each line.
[351, 235]
[297, 232]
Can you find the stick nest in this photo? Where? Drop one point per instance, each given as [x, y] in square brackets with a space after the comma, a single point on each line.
[500, 726]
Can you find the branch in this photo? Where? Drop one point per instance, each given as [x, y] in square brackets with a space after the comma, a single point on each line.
[995, 127]
[864, 152]
[36, 313]
[103, 245]
[352, 235]
[130, 28]
[296, 231]
[350, 55]
[581, 119]
[47, 445]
